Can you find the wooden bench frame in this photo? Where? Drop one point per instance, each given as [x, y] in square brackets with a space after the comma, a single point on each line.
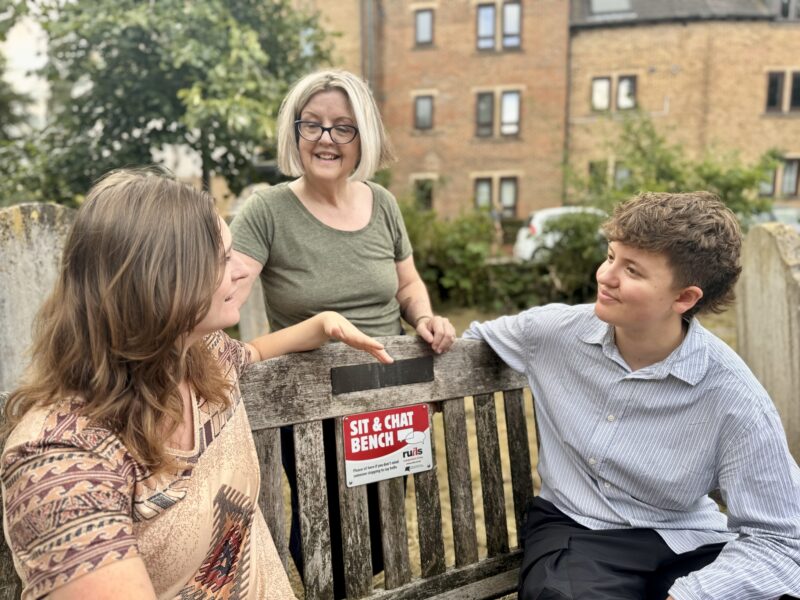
[296, 390]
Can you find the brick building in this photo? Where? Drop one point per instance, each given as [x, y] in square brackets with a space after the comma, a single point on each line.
[714, 77]
[486, 99]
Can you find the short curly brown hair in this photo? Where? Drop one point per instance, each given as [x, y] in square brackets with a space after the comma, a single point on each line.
[699, 235]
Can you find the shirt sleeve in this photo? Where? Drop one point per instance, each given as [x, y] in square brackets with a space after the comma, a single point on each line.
[760, 484]
[252, 229]
[510, 337]
[68, 513]
[230, 353]
[402, 243]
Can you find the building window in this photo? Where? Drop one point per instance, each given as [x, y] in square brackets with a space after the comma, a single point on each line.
[483, 193]
[423, 112]
[766, 187]
[423, 193]
[600, 7]
[601, 93]
[774, 91]
[512, 25]
[789, 179]
[622, 175]
[794, 100]
[626, 92]
[598, 172]
[423, 27]
[485, 115]
[509, 113]
[508, 197]
[486, 19]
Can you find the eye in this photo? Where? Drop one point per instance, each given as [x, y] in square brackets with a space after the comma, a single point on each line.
[344, 129]
[631, 271]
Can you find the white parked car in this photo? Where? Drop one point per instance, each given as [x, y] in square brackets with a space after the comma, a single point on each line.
[531, 238]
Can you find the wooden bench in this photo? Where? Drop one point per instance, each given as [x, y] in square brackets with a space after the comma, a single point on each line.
[297, 390]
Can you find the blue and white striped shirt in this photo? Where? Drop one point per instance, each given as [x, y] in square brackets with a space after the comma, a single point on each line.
[643, 449]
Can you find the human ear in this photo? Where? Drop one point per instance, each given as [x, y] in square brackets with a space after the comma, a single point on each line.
[687, 298]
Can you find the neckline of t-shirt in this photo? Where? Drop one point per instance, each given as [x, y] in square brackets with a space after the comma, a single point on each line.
[326, 227]
[179, 453]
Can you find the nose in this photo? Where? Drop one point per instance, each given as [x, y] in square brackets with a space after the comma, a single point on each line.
[329, 131]
[605, 275]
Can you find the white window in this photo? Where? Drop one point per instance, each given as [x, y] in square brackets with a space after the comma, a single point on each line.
[512, 25]
[789, 179]
[486, 18]
[601, 93]
[509, 113]
[508, 197]
[423, 30]
[610, 6]
[423, 112]
[483, 192]
[626, 92]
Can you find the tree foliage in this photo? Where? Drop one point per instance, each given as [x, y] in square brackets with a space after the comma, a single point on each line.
[655, 165]
[130, 76]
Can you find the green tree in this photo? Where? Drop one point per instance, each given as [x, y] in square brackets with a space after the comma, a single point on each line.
[13, 107]
[656, 165]
[130, 76]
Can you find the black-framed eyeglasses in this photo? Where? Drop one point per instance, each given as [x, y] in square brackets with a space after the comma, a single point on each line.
[313, 131]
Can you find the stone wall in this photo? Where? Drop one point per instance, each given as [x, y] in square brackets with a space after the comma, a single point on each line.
[31, 240]
[768, 323]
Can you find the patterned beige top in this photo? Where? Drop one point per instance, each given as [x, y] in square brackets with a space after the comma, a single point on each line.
[75, 500]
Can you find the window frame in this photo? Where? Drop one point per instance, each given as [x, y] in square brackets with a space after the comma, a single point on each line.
[480, 130]
[780, 76]
[612, 11]
[430, 183]
[490, 183]
[591, 94]
[418, 126]
[634, 86]
[504, 34]
[417, 14]
[518, 122]
[503, 208]
[794, 92]
[794, 193]
[493, 37]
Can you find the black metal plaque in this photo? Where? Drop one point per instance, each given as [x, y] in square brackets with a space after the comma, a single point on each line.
[371, 376]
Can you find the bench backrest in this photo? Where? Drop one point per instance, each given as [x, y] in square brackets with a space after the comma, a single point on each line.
[297, 390]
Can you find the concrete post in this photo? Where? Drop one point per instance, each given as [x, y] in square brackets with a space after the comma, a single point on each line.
[768, 318]
[31, 240]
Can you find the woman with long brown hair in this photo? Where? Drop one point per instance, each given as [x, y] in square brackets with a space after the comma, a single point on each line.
[130, 470]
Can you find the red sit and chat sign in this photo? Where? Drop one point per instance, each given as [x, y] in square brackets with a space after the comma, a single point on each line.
[386, 443]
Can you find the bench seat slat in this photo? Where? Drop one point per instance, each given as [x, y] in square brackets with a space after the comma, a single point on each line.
[429, 516]
[494, 502]
[393, 532]
[459, 477]
[354, 512]
[270, 496]
[519, 455]
[313, 499]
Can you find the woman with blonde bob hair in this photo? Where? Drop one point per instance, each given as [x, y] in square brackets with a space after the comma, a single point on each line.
[332, 240]
[130, 469]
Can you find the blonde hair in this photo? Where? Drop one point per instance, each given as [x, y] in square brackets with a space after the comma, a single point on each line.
[138, 272]
[376, 151]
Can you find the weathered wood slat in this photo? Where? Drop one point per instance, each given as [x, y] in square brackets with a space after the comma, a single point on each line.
[314, 522]
[429, 516]
[491, 587]
[394, 534]
[494, 500]
[519, 454]
[270, 497]
[454, 579]
[355, 528]
[465, 537]
[303, 382]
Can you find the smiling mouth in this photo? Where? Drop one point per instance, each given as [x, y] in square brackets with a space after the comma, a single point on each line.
[604, 295]
[327, 156]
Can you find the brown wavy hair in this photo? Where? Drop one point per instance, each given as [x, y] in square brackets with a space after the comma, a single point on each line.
[699, 235]
[138, 272]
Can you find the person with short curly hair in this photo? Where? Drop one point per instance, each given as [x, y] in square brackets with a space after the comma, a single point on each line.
[642, 413]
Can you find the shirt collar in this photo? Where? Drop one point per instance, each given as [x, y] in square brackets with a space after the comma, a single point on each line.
[688, 362]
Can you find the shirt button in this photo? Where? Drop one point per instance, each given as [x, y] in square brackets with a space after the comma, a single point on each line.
[607, 485]
[593, 461]
[610, 418]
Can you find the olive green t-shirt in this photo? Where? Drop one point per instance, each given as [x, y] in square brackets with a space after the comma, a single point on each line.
[309, 267]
